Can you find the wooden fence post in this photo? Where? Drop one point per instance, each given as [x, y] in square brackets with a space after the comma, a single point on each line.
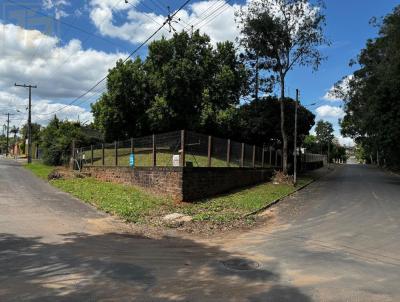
[270, 156]
[242, 157]
[73, 149]
[132, 145]
[182, 158]
[116, 152]
[154, 151]
[254, 156]
[209, 151]
[228, 153]
[91, 155]
[102, 154]
[263, 156]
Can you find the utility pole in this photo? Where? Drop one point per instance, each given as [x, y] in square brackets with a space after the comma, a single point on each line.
[29, 119]
[8, 132]
[329, 156]
[295, 138]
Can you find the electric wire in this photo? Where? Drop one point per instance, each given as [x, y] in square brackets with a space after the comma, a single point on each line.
[167, 20]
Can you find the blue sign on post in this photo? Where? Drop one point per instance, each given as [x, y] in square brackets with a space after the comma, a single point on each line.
[132, 160]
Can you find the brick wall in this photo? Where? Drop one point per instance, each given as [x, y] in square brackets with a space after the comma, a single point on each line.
[186, 184]
[204, 182]
[159, 180]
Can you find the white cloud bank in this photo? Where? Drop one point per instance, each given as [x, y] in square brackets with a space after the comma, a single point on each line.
[327, 111]
[60, 72]
[332, 96]
[16, 106]
[214, 17]
[346, 141]
[58, 7]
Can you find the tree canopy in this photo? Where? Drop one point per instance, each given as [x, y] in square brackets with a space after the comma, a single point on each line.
[56, 140]
[280, 34]
[184, 82]
[188, 83]
[260, 121]
[372, 95]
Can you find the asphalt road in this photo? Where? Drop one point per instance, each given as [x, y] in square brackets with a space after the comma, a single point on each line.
[336, 240]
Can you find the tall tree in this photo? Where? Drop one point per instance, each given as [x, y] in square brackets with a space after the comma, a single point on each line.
[35, 131]
[285, 34]
[259, 121]
[372, 95]
[121, 111]
[184, 83]
[57, 137]
[324, 134]
[193, 81]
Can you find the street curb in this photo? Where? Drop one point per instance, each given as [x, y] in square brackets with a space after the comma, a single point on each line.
[262, 209]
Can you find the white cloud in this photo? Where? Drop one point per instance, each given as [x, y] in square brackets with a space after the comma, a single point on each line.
[61, 73]
[327, 111]
[337, 94]
[214, 17]
[329, 96]
[346, 141]
[28, 56]
[16, 106]
[58, 6]
[140, 25]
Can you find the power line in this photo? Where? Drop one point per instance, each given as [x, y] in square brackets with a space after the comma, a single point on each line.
[160, 6]
[202, 13]
[88, 37]
[144, 13]
[8, 131]
[211, 14]
[29, 119]
[166, 21]
[214, 17]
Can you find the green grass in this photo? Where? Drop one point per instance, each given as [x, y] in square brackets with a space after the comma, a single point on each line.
[135, 205]
[128, 202]
[230, 207]
[39, 169]
[145, 158]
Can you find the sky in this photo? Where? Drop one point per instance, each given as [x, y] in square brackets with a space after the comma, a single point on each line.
[65, 47]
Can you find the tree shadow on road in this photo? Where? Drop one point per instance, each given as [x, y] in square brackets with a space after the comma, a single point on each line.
[116, 267]
[281, 294]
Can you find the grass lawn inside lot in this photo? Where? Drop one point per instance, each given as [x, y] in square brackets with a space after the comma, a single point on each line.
[135, 205]
[144, 158]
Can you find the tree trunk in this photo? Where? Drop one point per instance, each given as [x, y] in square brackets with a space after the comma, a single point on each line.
[257, 87]
[284, 136]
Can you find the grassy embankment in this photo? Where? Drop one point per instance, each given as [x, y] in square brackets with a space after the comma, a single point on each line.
[39, 169]
[135, 205]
